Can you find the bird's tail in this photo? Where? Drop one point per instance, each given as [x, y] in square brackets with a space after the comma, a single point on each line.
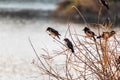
[58, 36]
[99, 36]
[94, 38]
[72, 50]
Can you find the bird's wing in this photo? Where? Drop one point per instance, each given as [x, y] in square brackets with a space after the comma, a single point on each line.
[91, 32]
[69, 44]
[55, 31]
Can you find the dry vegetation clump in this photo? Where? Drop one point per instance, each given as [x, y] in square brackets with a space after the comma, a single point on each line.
[94, 58]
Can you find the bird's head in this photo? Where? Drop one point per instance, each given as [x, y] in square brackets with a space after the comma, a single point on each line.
[48, 29]
[66, 40]
[112, 32]
[86, 28]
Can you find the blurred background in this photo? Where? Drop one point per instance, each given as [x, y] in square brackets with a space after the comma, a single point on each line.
[20, 19]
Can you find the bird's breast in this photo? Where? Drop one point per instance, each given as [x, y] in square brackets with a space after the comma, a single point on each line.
[89, 34]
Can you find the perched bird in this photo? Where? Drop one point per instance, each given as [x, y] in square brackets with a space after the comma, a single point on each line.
[53, 32]
[107, 35]
[105, 3]
[89, 33]
[69, 44]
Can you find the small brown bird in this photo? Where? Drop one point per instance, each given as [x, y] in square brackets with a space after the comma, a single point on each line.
[107, 35]
[105, 3]
[53, 32]
[69, 44]
[89, 33]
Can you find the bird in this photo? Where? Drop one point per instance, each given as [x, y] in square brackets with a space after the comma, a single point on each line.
[105, 3]
[107, 35]
[89, 33]
[53, 32]
[69, 44]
